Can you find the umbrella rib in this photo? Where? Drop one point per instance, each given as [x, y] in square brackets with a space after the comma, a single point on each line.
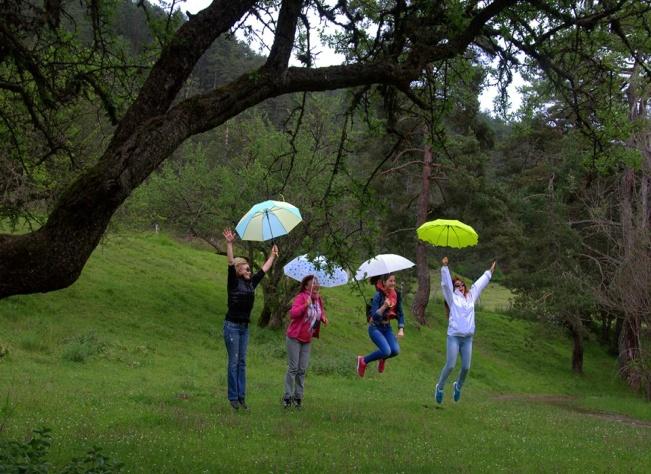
[440, 233]
[457, 236]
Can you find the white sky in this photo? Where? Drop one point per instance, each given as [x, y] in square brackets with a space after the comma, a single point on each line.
[327, 58]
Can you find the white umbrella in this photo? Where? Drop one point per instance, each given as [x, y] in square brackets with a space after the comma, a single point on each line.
[381, 265]
[302, 266]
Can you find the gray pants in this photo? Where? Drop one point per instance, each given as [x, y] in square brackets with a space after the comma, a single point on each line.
[298, 355]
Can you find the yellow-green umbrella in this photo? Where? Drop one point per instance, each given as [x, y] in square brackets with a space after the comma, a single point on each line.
[448, 233]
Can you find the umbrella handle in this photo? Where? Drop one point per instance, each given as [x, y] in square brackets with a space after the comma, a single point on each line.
[266, 214]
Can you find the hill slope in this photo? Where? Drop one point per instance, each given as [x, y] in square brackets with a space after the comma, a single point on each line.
[131, 358]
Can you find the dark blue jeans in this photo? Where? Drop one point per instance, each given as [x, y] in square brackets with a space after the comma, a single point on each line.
[236, 337]
[386, 342]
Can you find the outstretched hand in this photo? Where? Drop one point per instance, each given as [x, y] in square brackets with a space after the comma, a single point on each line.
[493, 266]
[229, 235]
[444, 261]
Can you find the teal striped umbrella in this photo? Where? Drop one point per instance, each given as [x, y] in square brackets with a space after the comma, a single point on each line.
[267, 220]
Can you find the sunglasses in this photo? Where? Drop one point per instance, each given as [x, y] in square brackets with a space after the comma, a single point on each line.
[459, 284]
[247, 269]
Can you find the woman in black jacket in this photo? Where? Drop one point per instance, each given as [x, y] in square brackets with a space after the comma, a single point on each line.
[241, 296]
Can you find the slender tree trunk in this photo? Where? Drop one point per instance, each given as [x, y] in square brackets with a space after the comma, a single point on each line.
[577, 349]
[614, 342]
[629, 352]
[606, 323]
[265, 316]
[422, 268]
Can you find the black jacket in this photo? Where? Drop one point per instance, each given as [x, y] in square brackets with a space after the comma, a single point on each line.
[241, 295]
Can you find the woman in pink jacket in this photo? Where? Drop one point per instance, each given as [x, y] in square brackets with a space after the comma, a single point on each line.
[307, 314]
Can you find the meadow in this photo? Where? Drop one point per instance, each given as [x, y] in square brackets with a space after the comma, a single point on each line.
[131, 359]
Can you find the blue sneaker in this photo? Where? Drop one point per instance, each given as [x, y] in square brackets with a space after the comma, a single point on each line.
[456, 395]
[438, 394]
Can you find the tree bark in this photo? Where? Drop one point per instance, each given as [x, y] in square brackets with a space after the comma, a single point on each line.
[421, 298]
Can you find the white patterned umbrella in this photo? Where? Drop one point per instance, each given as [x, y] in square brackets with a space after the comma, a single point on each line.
[381, 265]
[302, 266]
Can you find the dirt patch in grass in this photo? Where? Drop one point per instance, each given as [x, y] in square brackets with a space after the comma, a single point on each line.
[570, 404]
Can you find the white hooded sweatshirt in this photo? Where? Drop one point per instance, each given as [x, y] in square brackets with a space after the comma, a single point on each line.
[462, 308]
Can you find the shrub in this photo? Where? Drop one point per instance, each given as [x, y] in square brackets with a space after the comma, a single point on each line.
[17, 457]
[30, 457]
[82, 347]
[93, 462]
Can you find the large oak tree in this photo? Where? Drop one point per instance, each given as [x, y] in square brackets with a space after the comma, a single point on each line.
[385, 42]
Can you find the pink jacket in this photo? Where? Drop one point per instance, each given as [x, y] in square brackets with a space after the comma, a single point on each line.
[300, 327]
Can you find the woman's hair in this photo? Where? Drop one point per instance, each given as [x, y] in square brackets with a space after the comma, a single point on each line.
[239, 261]
[306, 281]
[456, 279]
[381, 278]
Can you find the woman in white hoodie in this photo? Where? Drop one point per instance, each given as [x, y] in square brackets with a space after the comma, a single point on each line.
[461, 325]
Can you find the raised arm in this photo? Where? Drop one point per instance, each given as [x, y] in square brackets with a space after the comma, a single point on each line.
[446, 282]
[482, 283]
[270, 261]
[229, 235]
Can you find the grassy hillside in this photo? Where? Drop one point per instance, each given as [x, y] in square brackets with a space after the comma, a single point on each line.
[131, 358]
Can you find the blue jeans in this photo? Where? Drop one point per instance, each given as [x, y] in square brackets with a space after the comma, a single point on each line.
[382, 336]
[236, 337]
[456, 345]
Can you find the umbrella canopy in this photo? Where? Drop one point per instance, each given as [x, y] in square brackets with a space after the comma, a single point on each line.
[302, 266]
[382, 264]
[448, 233]
[267, 220]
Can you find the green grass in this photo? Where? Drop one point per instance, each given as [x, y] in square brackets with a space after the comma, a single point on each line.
[131, 358]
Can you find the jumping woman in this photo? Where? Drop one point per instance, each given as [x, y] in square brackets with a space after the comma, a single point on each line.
[461, 325]
[385, 306]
